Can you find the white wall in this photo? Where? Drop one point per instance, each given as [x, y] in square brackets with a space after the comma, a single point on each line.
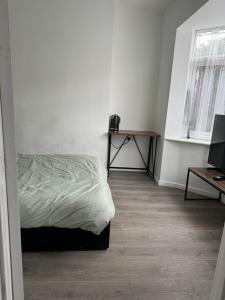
[135, 65]
[61, 59]
[66, 57]
[71, 60]
[175, 14]
[177, 158]
[183, 155]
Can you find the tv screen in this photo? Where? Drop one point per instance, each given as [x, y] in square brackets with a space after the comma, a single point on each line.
[217, 147]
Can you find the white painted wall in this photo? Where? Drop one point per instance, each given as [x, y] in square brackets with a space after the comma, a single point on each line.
[135, 65]
[70, 64]
[61, 61]
[175, 15]
[182, 155]
[61, 58]
[177, 157]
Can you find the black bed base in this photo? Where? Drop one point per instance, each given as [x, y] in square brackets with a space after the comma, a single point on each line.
[63, 239]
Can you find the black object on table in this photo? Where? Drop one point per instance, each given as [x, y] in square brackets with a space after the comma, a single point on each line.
[131, 134]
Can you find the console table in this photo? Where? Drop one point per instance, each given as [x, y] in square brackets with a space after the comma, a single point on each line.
[206, 174]
[131, 134]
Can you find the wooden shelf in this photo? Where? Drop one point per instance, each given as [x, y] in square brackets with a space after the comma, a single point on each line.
[134, 133]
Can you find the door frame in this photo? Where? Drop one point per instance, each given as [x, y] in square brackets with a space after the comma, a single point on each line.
[5, 258]
[11, 254]
[218, 287]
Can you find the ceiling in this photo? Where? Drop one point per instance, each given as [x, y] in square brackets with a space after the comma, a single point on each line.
[158, 5]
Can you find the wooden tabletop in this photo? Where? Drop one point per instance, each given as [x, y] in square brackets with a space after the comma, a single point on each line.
[207, 174]
[135, 133]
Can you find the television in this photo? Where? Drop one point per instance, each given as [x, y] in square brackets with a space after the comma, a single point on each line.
[217, 147]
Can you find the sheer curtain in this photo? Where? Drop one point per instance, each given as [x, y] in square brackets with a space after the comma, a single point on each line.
[206, 83]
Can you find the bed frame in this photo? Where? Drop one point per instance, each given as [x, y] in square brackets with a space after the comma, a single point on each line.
[63, 239]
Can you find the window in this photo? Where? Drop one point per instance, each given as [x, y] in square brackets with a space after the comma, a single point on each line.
[205, 95]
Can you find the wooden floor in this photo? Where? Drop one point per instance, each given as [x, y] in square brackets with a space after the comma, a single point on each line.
[162, 248]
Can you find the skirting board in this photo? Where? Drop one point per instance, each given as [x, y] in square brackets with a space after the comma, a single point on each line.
[195, 190]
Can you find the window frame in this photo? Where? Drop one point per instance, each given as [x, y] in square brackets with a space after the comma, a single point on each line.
[220, 61]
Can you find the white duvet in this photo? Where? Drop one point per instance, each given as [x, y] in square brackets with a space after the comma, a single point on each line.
[64, 191]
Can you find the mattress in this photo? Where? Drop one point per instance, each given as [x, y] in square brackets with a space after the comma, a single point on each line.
[64, 191]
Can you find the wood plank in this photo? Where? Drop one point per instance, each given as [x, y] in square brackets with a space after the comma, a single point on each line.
[170, 289]
[86, 290]
[135, 133]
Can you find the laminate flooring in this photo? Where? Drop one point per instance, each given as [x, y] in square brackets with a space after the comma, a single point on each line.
[161, 248]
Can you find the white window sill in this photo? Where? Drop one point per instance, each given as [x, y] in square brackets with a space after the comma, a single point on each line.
[185, 140]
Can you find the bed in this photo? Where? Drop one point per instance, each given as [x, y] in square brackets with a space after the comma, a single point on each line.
[65, 203]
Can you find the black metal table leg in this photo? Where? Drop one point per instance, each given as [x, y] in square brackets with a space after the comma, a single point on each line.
[187, 181]
[140, 152]
[121, 146]
[149, 154]
[156, 144]
[109, 152]
[149, 165]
